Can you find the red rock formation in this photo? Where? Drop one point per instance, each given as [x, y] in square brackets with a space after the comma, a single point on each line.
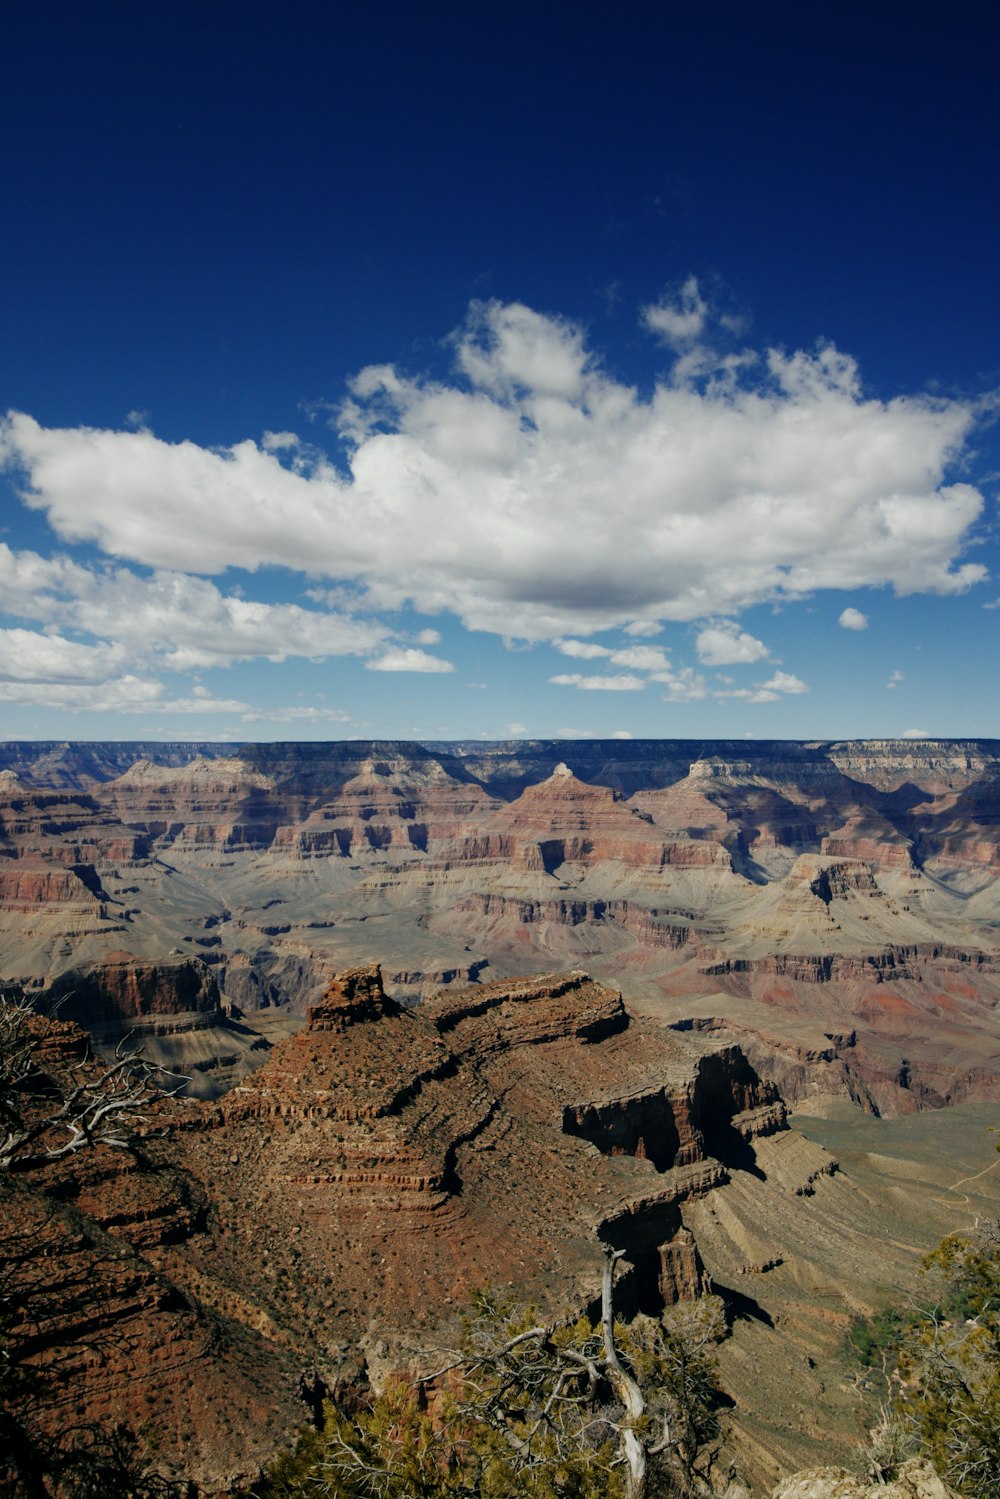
[275, 863]
[121, 990]
[390, 805]
[565, 820]
[383, 1162]
[24, 889]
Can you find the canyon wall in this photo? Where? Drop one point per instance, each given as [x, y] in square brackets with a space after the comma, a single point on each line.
[787, 892]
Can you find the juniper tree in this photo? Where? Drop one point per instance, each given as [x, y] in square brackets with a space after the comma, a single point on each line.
[545, 1410]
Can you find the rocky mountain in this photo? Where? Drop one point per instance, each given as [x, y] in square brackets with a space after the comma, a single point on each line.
[322, 1224]
[831, 907]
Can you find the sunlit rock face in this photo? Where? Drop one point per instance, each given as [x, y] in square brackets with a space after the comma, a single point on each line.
[777, 894]
[327, 1220]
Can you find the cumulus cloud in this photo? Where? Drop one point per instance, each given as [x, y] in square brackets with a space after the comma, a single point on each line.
[732, 483]
[29, 656]
[583, 650]
[203, 705]
[894, 680]
[725, 644]
[641, 658]
[126, 694]
[915, 734]
[621, 683]
[853, 619]
[186, 622]
[682, 320]
[409, 659]
[784, 681]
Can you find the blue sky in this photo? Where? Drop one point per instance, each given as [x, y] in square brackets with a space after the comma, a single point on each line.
[468, 371]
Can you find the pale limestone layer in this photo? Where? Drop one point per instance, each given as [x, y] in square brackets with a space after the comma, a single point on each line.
[916, 1480]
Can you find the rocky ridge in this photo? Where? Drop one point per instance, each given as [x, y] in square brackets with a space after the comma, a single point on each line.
[795, 876]
[321, 1225]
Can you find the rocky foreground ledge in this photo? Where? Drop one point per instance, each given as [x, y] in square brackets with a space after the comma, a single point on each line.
[321, 1226]
[916, 1480]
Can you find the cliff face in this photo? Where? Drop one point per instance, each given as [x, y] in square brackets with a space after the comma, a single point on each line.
[681, 870]
[322, 1225]
[332, 1213]
[116, 994]
[496, 1136]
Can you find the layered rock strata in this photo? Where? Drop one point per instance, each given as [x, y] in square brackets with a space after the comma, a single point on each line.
[680, 869]
[331, 1214]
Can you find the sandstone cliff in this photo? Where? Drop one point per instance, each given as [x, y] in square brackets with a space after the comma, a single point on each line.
[322, 1224]
[681, 870]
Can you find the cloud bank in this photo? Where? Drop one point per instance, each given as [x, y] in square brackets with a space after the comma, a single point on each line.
[536, 496]
[530, 493]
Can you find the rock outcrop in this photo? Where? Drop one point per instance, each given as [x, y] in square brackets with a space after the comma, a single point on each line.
[916, 1480]
[832, 887]
[333, 1211]
[321, 1225]
[122, 993]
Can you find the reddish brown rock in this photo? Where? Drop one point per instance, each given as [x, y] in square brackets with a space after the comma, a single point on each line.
[650, 863]
[121, 990]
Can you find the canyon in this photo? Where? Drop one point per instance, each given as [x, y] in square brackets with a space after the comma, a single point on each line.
[321, 1226]
[455, 1015]
[833, 907]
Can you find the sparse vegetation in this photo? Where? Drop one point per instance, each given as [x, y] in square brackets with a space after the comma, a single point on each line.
[575, 1411]
[875, 1338]
[942, 1361]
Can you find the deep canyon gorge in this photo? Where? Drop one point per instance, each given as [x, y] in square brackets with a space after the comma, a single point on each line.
[456, 1014]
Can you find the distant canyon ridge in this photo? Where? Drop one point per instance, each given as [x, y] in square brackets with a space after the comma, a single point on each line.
[832, 908]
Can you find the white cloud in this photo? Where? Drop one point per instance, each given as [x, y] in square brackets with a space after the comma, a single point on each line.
[621, 683]
[409, 659]
[620, 734]
[894, 680]
[509, 347]
[516, 730]
[752, 694]
[784, 681]
[126, 694]
[185, 622]
[567, 733]
[683, 685]
[772, 483]
[681, 321]
[915, 734]
[583, 650]
[641, 658]
[28, 656]
[201, 705]
[772, 479]
[295, 715]
[725, 644]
